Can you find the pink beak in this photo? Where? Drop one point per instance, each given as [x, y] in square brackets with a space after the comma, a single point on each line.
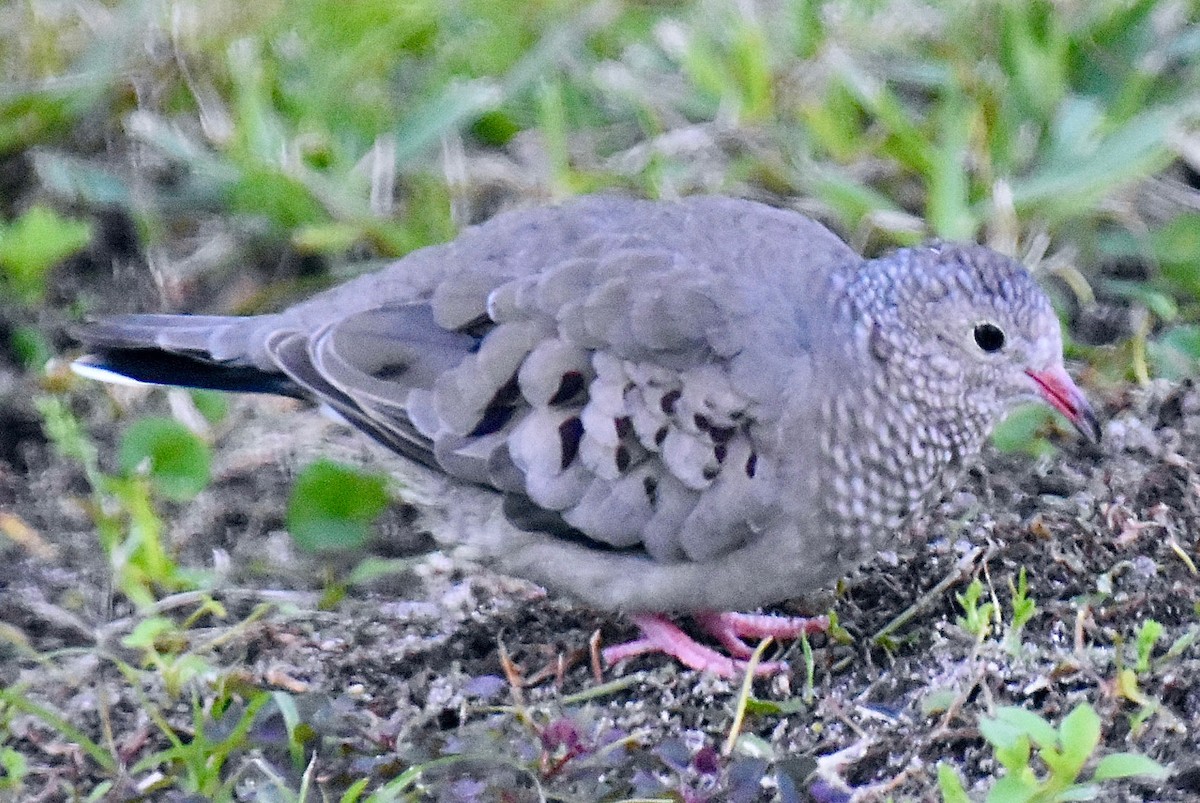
[1061, 393]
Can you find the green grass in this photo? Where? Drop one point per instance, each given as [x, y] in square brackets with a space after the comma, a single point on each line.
[309, 127]
[328, 130]
[1017, 736]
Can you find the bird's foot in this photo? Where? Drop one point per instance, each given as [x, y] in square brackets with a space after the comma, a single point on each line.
[729, 628]
[659, 634]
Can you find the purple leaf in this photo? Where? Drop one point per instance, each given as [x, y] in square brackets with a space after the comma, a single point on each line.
[485, 687]
[745, 779]
[706, 761]
[674, 754]
[562, 733]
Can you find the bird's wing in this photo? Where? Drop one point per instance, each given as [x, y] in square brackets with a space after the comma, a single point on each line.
[613, 367]
[623, 395]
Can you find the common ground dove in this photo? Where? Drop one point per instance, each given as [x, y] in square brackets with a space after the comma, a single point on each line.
[692, 406]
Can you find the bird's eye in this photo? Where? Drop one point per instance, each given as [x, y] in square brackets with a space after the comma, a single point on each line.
[989, 337]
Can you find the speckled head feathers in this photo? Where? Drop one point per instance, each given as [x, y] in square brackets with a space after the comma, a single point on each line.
[971, 320]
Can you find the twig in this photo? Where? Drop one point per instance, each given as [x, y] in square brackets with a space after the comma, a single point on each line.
[594, 652]
[1183, 556]
[511, 673]
[611, 687]
[743, 698]
[185, 599]
[964, 567]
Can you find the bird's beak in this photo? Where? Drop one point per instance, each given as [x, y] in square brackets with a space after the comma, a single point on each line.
[1061, 393]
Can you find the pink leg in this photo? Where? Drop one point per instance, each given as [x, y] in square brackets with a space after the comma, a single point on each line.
[659, 634]
[729, 628]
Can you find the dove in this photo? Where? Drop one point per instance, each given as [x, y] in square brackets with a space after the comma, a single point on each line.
[655, 407]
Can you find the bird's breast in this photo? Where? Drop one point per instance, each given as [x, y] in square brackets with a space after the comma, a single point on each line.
[883, 463]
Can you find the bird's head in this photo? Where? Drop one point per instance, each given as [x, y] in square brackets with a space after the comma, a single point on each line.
[978, 327]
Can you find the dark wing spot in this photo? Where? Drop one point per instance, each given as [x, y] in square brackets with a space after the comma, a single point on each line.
[527, 516]
[622, 458]
[570, 432]
[718, 434]
[650, 484]
[478, 327]
[668, 401]
[494, 419]
[624, 426]
[568, 388]
[751, 465]
[719, 452]
[392, 372]
[508, 393]
[660, 436]
[499, 410]
[711, 471]
[722, 434]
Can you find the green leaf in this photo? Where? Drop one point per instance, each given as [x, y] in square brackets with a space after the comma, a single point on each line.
[1040, 731]
[1085, 167]
[1128, 765]
[31, 347]
[1180, 645]
[792, 705]
[1162, 305]
[371, 569]
[15, 768]
[1062, 767]
[212, 404]
[1010, 744]
[327, 238]
[1013, 788]
[1147, 636]
[27, 116]
[283, 199]
[937, 701]
[12, 696]
[450, 108]
[1015, 757]
[495, 128]
[1078, 792]
[950, 784]
[332, 506]
[1176, 246]
[851, 200]
[286, 705]
[948, 208]
[1079, 733]
[1176, 353]
[146, 633]
[33, 244]
[173, 457]
[754, 746]
[1022, 430]
[81, 181]
[354, 793]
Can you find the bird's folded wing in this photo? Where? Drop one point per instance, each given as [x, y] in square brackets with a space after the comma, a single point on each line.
[596, 395]
[612, 367]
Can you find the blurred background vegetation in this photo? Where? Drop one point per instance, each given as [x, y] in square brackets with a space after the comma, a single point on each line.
[230, 155]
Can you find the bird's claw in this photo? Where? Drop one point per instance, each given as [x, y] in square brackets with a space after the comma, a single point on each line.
[659, 634]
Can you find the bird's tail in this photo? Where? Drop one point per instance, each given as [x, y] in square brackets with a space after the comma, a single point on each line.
[194, 351]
